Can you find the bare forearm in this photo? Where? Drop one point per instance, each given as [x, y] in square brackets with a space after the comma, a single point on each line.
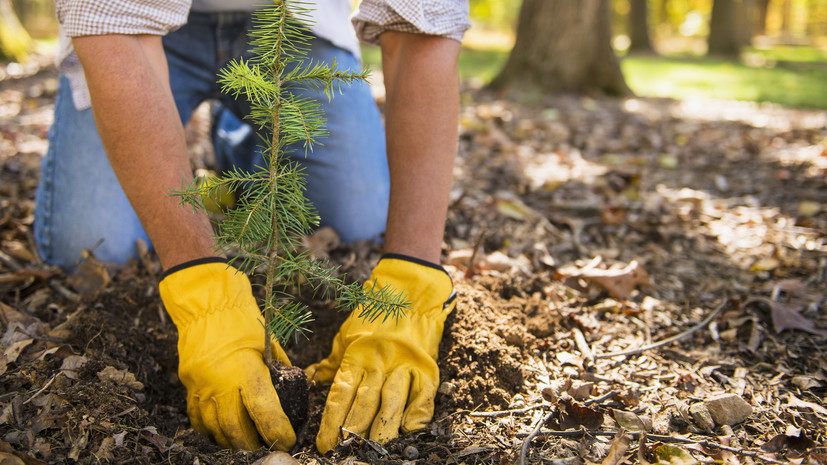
[144, 139]
[422, 92]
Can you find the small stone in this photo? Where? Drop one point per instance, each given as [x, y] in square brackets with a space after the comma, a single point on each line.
[277, 458]
[701, 416]
[518, 401]
[410, 453]
[728, 409]
[446, 388]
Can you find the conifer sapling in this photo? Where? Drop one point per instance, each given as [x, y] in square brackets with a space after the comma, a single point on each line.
[272, 214]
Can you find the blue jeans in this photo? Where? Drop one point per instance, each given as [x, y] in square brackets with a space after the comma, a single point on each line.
[80, 204]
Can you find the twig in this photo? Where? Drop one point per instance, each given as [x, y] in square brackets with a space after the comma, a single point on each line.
[475, 250]
[502, 413]
[9, 262]
[668, 340]
[373, 444]
[450, 454]
[69, 295]
[57, 287]
[598, 400]
[531, 436]
[583, 345]
[49, 383]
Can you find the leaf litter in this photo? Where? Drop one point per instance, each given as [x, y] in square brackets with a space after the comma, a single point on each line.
[640, 281]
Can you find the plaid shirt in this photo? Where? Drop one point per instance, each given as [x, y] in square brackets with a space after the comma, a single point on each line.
[448, 18]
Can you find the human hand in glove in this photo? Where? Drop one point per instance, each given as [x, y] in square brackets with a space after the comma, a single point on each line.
[384, 373]
[220, 346]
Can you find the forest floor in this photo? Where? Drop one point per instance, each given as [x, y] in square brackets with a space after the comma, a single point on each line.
[582, 232]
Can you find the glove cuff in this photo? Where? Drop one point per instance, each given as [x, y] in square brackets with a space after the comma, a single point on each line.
[200, 287]
[424, 281]
[191, 263]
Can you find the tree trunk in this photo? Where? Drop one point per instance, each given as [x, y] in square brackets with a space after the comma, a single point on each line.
[762, 7]
[563, 46]
[724, 37]
[14, 40]
[639, 27]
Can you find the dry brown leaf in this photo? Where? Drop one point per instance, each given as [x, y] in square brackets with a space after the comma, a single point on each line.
[619, 282]
[795, 402]
[574, 415]
[71, 364]
[617, 452]
[786, 316]
[90, 277]
[13, 350]
[798, 443]
[122, 377]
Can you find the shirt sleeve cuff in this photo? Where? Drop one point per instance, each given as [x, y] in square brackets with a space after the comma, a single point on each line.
[93, 17]
[440, 18]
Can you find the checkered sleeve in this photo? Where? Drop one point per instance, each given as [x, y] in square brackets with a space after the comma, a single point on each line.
[95, 17]
[447, 18]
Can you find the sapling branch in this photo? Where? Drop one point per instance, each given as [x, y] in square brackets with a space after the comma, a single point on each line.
[272, 213]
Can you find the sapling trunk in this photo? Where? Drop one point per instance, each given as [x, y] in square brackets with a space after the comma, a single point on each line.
[272, 213]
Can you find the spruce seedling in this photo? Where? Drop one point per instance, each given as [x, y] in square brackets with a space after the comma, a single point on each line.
[272, 214]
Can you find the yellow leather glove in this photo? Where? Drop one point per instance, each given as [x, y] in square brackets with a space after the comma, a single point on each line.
[385, 374]
[220, 346]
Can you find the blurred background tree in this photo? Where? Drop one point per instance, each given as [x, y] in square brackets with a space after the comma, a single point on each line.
[563, 46]
[22, 24]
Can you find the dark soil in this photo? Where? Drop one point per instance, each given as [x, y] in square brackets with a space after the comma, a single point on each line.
[292, 389]
[578, 228]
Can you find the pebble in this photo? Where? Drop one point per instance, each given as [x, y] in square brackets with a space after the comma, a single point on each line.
[518, 401]
[277, 458]
[701, 417]
[728, 409]
[446, 388]
[410, 453]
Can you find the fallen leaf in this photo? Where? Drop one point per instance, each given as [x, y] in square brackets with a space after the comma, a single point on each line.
[799, 443]
[18, 250]
[617, 452]
[808, 208]
[11, 352]
[618, 282]
[786, 316]
[673, 455]
[120, 377]
[511, 206]
[574, 415]
[90, 276]
[628, 420]
[795, 402]
[9, 459]
[104, 451]
[806, 382]
[765, 264]
[71, 364]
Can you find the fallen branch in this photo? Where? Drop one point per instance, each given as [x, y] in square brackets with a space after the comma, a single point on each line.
[531, 436]
[668, 340]
[502, 413]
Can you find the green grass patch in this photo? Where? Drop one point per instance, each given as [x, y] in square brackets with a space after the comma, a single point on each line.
[474, 64]
[802, 84]
[793, 76]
